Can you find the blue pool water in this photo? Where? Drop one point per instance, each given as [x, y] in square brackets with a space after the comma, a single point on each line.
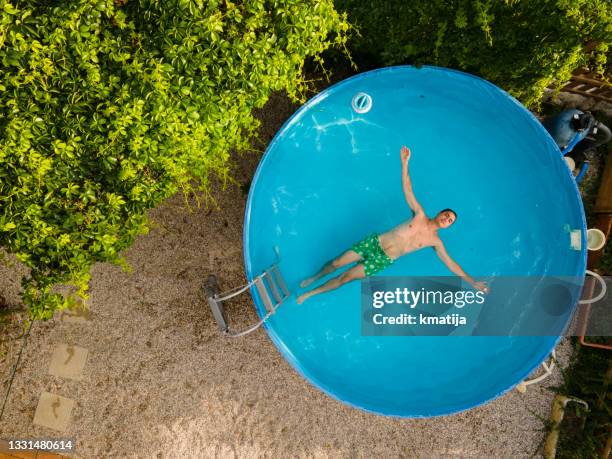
[332, 176]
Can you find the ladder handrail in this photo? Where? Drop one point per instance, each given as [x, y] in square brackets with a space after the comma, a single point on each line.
[275, 284]
[237, 290]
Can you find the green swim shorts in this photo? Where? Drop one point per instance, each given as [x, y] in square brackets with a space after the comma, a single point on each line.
[374, 257]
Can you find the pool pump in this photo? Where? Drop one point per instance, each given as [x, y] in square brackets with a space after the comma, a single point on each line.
[577, 134]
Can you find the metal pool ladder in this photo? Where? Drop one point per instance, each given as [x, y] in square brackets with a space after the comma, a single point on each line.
[270, 286]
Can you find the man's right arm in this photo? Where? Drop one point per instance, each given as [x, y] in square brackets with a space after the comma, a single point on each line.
[407, 184]
[454, 267]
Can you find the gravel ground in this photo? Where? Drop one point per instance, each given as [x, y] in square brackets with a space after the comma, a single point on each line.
[161, 382]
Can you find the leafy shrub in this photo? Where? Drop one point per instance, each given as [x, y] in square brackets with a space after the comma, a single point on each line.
[521, 45]
[589, 378]
[109, 107]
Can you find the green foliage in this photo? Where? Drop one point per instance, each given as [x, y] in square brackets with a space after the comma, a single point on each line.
[605, 263]
[588, 378]
[521, 45]
[109, 107]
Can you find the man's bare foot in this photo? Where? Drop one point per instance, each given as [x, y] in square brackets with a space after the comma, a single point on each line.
[307, 282]
[303, 297]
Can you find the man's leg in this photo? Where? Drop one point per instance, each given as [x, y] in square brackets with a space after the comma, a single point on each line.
[355, 273]
[346, 258]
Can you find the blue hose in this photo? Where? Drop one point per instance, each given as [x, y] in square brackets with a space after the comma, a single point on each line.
[583, 169]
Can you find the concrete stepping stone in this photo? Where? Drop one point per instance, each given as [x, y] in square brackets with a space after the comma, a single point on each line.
[68, 361]
[78, 315]
[53, 411]
[6, 453]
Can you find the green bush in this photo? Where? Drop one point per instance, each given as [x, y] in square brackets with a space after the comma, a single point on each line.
[521, 45]
[583, 434]
[109, 107]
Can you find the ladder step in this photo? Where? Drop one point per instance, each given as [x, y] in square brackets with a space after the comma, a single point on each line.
[263, 293]
[212, 289]
[280, 281]
[272, 284]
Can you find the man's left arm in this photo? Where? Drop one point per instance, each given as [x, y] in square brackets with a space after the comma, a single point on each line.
[454, 267]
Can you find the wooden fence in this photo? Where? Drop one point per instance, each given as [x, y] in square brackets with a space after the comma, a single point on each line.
[589, 84]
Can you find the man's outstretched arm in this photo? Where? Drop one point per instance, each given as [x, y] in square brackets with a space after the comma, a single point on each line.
[407, 184]
[454, 267]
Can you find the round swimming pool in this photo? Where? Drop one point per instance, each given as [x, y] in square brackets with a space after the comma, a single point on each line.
[332, 175]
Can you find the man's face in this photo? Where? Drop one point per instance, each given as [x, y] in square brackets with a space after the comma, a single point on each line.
[445, 218]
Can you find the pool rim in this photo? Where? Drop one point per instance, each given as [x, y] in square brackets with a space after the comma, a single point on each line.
[261, 311]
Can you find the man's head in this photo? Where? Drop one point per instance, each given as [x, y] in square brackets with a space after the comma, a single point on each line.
[446, 218]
